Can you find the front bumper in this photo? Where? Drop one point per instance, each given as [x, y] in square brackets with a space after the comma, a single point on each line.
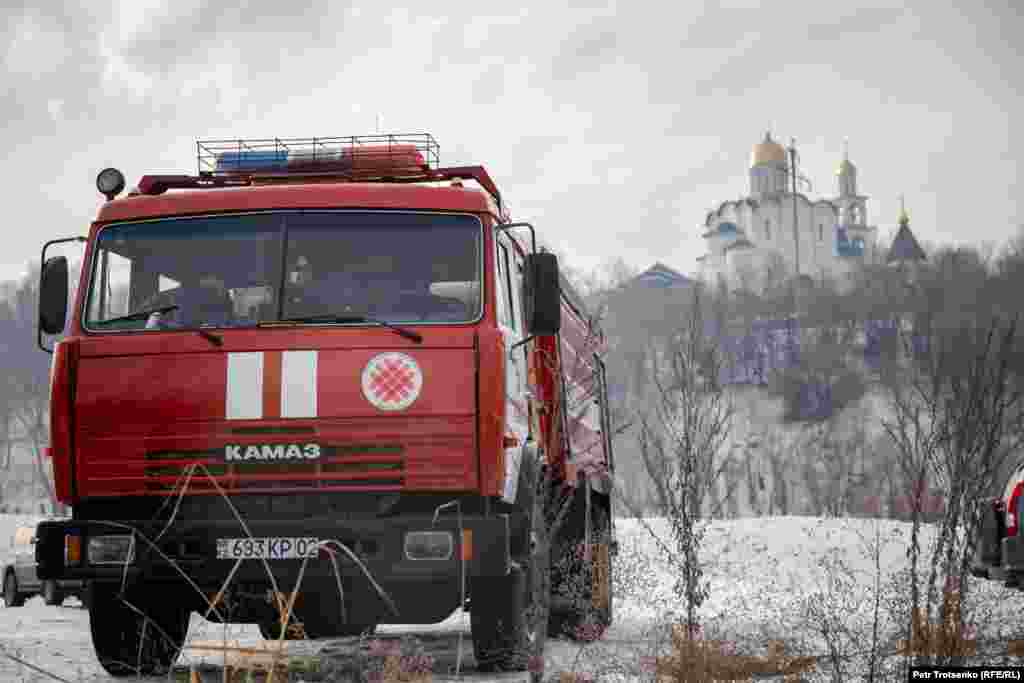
[997, 557]
[987, 562]
[1013, 556]
[189, 548]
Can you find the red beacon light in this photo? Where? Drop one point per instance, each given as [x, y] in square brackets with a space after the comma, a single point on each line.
[394, 160]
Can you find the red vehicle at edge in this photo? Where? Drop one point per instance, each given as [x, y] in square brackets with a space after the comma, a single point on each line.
[327, 339]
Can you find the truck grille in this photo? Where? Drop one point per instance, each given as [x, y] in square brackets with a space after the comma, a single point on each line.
[349, 466]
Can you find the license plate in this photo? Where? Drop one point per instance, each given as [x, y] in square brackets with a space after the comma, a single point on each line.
[272, 548]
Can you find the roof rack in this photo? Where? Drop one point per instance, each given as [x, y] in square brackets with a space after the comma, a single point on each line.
[399, 154]
[402, 158]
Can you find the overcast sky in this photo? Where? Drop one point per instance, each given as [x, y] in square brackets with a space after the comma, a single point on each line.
[613, 128]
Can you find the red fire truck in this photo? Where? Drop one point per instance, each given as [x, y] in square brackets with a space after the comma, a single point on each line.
[324, 373]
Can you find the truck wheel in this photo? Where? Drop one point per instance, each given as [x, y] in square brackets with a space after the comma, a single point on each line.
[11, 595]
[508, 614]
[52, 595]
[129, 644]
[583, 591]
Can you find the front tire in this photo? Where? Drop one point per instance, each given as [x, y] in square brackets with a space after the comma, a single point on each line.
[52, 595]
[11, 595]
[509, 614]
[128, 643]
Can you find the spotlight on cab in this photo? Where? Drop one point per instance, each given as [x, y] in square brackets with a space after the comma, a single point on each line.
[110, 182]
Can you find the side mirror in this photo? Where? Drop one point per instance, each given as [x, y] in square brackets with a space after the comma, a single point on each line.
[542, 295]
[53, 295]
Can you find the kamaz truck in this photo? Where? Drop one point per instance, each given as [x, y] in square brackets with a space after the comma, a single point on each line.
[313, 387]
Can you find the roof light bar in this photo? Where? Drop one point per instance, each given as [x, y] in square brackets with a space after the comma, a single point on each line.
[359, 155]
[405, 158]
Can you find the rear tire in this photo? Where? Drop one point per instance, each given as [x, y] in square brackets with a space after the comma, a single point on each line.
[578, 617]
[11, 595]
[129, 644]
[52, 595]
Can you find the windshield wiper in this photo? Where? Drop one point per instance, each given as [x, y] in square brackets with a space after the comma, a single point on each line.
[408, 334]
[138, 315]
[214, 339]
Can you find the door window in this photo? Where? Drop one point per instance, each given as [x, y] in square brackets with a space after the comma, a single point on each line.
[516, 288]
[505, 312]
[110, 296]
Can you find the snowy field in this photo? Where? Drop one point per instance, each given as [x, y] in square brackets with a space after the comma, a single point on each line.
[786, 579]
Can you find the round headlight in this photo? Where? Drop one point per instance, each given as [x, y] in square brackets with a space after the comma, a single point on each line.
[110, 182]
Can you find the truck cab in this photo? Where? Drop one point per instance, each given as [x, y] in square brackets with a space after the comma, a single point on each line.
[308, 388]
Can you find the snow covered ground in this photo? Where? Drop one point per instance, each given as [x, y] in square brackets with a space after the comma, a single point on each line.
[776, 578]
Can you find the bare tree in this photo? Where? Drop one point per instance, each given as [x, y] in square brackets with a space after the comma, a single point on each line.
[778, 464]
[682, 443]
[957, 411]
[28, 371]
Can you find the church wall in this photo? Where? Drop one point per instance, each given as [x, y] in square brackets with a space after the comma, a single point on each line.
[780, 213]
[824, 237]
[817, 228]
[746, 267]
[716, 244]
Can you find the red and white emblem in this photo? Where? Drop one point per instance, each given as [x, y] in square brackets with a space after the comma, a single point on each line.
[392, 381]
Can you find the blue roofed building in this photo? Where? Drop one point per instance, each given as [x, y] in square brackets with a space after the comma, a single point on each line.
[660, 276]
[905, 248]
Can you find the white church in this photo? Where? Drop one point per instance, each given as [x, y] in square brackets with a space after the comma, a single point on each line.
[752, 236]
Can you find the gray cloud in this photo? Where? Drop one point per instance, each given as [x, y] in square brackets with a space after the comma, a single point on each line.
[865, 20]
[586, 51]
[262, 32]
[779, 43]
[615, 130]
[48, 55]
[489, 86]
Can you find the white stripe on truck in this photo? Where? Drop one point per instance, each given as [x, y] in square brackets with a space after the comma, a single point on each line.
[298, 384]
[244, 399]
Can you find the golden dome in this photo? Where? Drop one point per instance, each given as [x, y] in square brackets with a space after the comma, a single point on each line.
[767, 151]
[904, 218]
[845, 167]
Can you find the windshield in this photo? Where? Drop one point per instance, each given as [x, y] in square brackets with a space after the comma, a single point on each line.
[242, 270]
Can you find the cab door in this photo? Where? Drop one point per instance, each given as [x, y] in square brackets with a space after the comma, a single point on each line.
[510, 323]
